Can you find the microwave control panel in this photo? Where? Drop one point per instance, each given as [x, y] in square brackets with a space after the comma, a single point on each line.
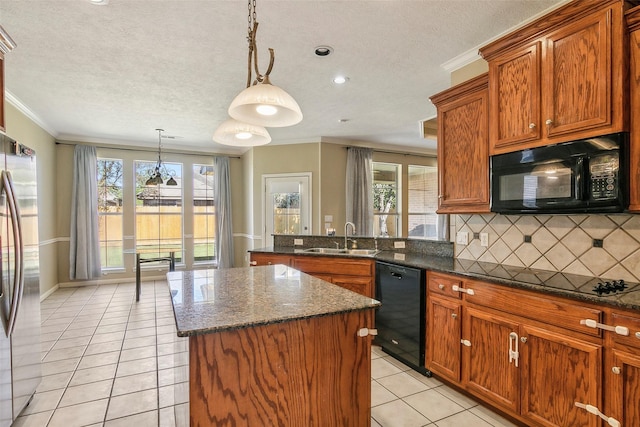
[603, 171]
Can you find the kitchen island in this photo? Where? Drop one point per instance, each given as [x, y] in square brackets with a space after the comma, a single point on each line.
[273, 346]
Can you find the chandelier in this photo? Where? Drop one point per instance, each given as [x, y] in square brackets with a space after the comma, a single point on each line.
[261, 104]
[160, 171]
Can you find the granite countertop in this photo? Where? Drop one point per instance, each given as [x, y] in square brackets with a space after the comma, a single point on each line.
[557, 283]
[207, 301]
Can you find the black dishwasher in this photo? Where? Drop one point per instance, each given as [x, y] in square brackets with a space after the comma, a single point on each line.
[400, 320]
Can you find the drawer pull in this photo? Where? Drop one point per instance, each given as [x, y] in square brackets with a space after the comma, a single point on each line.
[595, 411]
[616, 370]
[441, 286]
[454, 315]
[253, 263]
[456, 288]
[466, 342]
[620, 330]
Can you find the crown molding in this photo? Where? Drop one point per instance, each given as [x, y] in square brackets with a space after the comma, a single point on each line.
[20, 106]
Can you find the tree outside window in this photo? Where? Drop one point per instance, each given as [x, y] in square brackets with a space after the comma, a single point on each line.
[386, 199]
[110, 213]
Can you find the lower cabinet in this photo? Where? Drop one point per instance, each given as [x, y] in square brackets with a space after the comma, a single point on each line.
[355, 274]
[623, 380]
[512, 360]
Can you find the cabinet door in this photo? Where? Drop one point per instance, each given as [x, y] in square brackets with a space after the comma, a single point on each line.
[487, 368]
[577, 76]
[361, 285]
[443, 337]
[557, 372]
[633, 18]
[463, 155]
[624, 388]
[270, 259]
[514, 98]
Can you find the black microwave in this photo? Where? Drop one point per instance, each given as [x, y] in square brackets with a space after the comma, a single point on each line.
[588, 175]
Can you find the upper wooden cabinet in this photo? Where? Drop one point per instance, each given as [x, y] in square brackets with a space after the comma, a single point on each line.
[463, 150]
[560, 78]
[633, 21]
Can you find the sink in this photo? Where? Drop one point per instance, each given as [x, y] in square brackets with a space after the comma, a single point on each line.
[335, 251]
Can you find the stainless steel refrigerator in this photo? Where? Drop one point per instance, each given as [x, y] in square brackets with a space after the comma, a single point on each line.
[20, 369]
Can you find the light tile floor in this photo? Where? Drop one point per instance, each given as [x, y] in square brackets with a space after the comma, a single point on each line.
[109, 361]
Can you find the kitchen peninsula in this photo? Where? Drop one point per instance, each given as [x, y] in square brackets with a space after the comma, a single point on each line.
[273, 346]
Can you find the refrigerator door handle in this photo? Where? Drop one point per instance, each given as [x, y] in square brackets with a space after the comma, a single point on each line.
[16, 227]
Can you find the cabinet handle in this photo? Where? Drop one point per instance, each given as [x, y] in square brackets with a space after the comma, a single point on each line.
[455, 316]
[364, 332]
[441, 286]
[523, 339]
[595, 411]
[440, 196]
[253, 263]
[549, 122]
[513, 348]
[456, 288]
[620, 330]
[466, 342]
[616, 370]
[638, 335]
[532, 125]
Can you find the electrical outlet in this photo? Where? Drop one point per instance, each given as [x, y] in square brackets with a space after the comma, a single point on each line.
[462, 238]
[328, 218]
[399, 244]
[298, 242]
[484, 239]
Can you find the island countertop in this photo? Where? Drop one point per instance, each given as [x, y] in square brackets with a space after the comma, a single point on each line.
[207, 301]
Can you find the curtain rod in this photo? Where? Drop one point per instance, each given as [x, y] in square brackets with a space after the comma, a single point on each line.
[144, 149]
[431, 156]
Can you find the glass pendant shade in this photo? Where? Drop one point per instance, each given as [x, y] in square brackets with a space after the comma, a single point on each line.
[266, 105]
[240, 134]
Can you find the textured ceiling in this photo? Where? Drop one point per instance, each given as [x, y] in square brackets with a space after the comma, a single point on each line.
[114, 73]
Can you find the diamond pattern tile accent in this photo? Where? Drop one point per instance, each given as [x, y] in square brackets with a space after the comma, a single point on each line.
[561, 243]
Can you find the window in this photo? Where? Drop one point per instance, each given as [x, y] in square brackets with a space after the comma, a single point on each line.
[386, 199]
[204, 215]
[158, 211]
[110, 212]
[422, 189]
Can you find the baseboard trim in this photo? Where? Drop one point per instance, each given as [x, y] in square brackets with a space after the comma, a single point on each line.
[44, 295]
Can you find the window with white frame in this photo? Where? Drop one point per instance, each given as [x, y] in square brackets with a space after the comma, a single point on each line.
[422, 201]
[386, 199]
[159, 211]
[110, 214]
[204, 215]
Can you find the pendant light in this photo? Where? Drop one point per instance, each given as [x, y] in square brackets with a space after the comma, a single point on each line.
[155, 177]
[261, 103]
[240, 134]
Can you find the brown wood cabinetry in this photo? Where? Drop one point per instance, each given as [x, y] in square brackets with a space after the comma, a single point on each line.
[633, 21]
[350, 273]
[6, 45]
[355, 274]
[307, 372]
[508, 356]
[269, 259]
[463, 150]
[622, 368]
[559, 78]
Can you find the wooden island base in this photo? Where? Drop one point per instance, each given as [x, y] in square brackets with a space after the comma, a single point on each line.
[306, 372]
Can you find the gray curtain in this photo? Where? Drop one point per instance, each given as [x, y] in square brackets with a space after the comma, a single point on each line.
[222, 200]
[84, 244]
[359, 189]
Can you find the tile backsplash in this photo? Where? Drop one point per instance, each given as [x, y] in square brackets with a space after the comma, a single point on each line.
[556, 242]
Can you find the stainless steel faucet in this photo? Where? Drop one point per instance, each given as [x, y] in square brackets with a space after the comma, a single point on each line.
[353, 231]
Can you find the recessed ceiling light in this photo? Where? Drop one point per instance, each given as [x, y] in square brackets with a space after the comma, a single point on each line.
[99, 2]
[340, 80]
[323, 50]
[343, 120]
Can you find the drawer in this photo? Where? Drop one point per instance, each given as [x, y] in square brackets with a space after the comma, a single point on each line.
[333, 265]
[532, 305]
[442, 284]
[633, 323]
